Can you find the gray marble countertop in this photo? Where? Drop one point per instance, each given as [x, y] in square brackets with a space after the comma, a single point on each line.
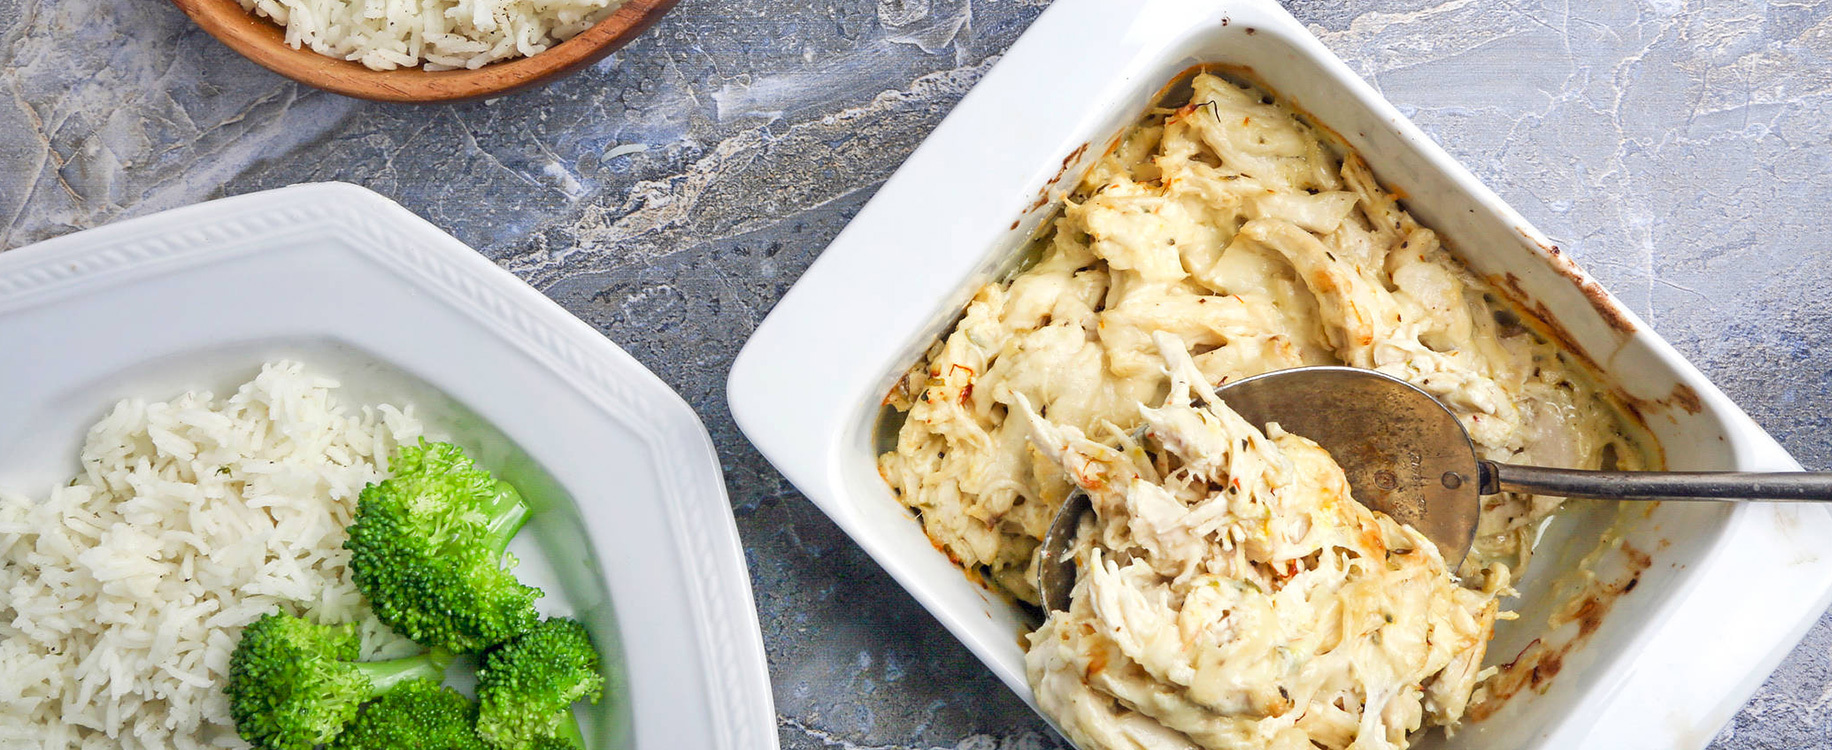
[1680, 149]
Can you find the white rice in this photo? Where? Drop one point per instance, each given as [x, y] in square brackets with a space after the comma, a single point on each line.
[434, 34]
[126, 591]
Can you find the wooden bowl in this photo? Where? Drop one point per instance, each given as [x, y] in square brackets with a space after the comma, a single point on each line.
[263, 41]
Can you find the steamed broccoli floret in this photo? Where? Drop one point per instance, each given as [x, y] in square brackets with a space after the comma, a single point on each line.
[294, 684]
[427, 549]
[526, 687]
[418, 714]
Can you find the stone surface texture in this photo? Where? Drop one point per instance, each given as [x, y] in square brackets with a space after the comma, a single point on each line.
[669, 195]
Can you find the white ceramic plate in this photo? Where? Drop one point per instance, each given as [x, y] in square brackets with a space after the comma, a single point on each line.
[638, 539]
[1727, 591]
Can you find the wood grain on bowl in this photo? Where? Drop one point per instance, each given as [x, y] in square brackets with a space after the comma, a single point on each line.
[263, 41]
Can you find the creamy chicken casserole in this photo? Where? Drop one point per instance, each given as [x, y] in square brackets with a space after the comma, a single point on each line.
[1228, 594]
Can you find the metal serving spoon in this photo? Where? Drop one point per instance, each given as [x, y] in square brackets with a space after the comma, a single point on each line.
[1406, 455]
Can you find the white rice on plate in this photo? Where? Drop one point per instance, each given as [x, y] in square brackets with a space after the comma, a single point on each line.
[432, 34]
[126, 591]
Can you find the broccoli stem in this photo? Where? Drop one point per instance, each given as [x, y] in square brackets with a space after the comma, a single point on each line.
[508, 512]
[568, 730]
[385, 675]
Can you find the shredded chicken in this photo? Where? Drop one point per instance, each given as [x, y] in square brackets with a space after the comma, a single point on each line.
[1257, 605]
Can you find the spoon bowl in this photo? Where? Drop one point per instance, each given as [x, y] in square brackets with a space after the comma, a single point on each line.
[1404, 453]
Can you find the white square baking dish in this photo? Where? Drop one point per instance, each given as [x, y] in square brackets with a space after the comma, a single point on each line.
[1714, 595]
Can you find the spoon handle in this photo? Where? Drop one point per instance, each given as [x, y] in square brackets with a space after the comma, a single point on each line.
[1657, 485]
